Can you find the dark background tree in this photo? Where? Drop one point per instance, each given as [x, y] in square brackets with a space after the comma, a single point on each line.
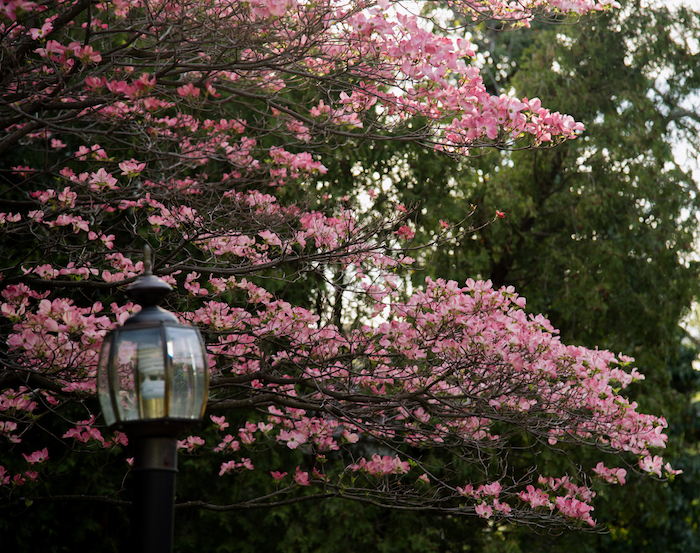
[599, 233]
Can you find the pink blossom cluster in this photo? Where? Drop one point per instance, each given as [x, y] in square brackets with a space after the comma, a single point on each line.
[522, 11]
[190, 443]
[574, 504]
[452, 345]
[427, 71]
[84, 431]
[229, 466]
[536, 497]
[613, 475]
[8, 428]
[20, 400]
[55, 333]
[327, 232]
[381, 465]
[487, 496]
[315, 430]
[293, 165]
[514, 349]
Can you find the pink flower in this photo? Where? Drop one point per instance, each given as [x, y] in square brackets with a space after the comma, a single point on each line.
[502, 507]
[493, 489]
[277, 475]
[95, 82]
[188, 91]
[144, 84]
[46, 28]
[301, 477]
[227, 467]
[84, 431]
[535, 497]
[294, 438]
[23, 170]
[102, 180]
[87, 54]
[190, 443]
[67, 197]
[467, 491]
[228, 443]
[270, 238]
[131, 168]
[484, 510]
[53, 48]
[652, 465]
[220, 422]
[615, 475]
[405, 233]
[574, 508]
[37, 457]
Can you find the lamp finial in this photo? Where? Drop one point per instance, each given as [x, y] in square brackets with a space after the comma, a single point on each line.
[147, 262]
[148, 289]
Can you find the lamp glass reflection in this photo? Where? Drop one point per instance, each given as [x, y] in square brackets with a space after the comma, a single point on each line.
[153, 372]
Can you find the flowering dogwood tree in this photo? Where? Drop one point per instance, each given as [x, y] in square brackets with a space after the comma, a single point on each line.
[202, 128]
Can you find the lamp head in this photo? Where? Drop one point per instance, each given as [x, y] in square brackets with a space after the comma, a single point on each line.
[154, 368]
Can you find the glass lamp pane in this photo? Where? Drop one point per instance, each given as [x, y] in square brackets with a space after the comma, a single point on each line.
[189, 372]
[103, 382]
[140, 374]
[122, 375]
[150, 366]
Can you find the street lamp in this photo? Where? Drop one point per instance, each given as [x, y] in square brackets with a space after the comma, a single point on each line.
[152, 382]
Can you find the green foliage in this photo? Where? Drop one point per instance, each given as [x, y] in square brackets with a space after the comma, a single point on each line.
[599, 235]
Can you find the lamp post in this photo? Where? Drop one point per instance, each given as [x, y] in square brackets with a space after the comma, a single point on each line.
[152, 382]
